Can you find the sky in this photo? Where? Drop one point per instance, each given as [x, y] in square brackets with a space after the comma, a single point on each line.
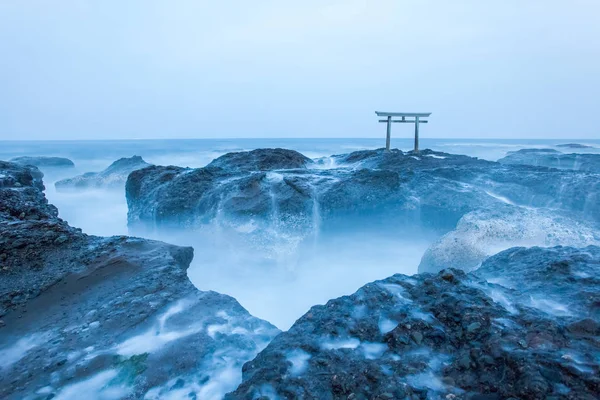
[113, 69]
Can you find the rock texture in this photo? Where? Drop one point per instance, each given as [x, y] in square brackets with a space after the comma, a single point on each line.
[44, 162]
[114, 176]
[482, 233]
[526, 325]
[271, 196]
[554, 159]
[107, 317]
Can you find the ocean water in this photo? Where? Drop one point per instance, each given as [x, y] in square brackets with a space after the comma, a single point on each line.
[277, 287]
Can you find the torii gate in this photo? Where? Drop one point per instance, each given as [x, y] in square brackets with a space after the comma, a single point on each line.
[415, 121]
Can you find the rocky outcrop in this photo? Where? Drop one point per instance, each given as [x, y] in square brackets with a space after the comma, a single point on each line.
[554, 159]
[114, 176]
[482, 233]
[107, 317]
[405, 193]
[526, 325]
[43, 162]
[396, 184]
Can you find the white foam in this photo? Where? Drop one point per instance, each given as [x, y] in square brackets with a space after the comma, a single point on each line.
[299, 359]
[386, 325]
[16, 351]
[416, 313]
[373, 351]
[157, 336]
[501, 198]
[99, 386]
[335, 344]
[426, 380]
[397, 291]
[501, 299]
[550, 306]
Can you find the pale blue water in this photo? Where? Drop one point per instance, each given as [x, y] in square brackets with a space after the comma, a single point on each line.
[198, 152]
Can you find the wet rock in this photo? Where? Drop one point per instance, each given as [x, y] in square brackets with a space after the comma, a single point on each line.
[109, 317]
[279, 190]
[481, 338]
[114, 176]
[484, 232]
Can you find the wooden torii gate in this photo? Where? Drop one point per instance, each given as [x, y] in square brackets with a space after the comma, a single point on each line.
[417, 120]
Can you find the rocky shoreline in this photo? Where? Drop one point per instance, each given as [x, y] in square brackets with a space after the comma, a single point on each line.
[108, 315]
[117, 317]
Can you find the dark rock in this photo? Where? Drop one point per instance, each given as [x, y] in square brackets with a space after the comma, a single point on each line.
[114, 176]
[480, 340]
[44, 162]
[107, 317]
[261, 160]
[275, 190]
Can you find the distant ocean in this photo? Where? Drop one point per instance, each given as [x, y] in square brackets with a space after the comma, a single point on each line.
[91, 155]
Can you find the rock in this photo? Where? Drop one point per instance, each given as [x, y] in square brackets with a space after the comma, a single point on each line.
[554, 159]
[484, 232]
[114, 176]
[44, 162]
[560, 281]
[275, 190]
[109, 317]
[261, 160]
[481, 339]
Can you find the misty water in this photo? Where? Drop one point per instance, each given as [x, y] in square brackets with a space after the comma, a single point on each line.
[279, 282]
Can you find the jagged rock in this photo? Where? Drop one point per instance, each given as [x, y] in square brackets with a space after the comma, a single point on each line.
[114, 176]
[450, 335]
[554, 159]
[43, 162]
[405, 193]
[178, 197]
[109, 317]
[481, 233]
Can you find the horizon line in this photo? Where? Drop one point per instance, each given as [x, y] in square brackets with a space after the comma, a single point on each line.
[288, 138]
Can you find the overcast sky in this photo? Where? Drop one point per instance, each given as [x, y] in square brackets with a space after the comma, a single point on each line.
[108, 69]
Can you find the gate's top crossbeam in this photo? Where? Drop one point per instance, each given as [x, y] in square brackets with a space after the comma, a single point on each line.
[400, 114]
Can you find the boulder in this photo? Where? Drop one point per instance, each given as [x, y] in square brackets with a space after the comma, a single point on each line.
[114, 176]
[449, 335]
[110, 317]
[482, 233]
